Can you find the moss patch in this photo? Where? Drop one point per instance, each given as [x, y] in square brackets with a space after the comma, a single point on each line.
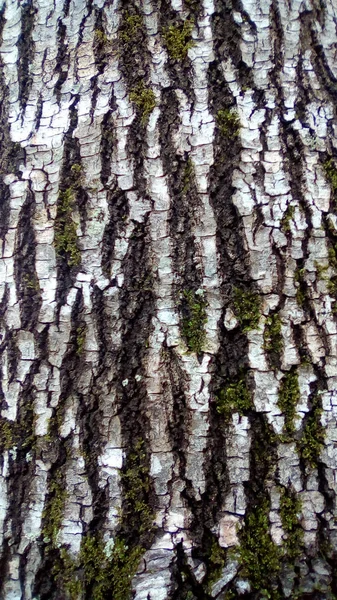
[216, 561]
[53, 512]
[65, 238]
[98, 572]
[64, 573]
[80, 339]
[272, 339]
[235, 397]
[194, 319]
[287, 218]
[312, 440]
[9, 434]
[144, 99]
[290, 509]
[130, 26]
[247, 308]
[178, 40]
[301, 291]
[289, 396]
[136, 485]
[124, 565]
[259, 555]
[330, 171]
[188, 175]
[228, 122]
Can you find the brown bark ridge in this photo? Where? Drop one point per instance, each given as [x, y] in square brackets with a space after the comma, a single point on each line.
[168, 284]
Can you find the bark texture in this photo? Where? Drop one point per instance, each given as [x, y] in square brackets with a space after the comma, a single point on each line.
[168, 286]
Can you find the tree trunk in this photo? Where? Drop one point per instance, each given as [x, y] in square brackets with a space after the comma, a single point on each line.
[168, 299]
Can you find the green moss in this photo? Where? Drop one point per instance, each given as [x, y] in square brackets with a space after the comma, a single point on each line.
[130, 26]
[80, 339]
[178, 40]
[247, 308]
[332, 254]
[332, 286]
[234, 398]
[64, 573]
[53, 512]
[108, 574]
[95, 566]
[330, 170]
[290, 509]
[144, 99]
[188, 175]
[77, 175]
[216, 561]
[136, 484]
[124, 566]
[272, 338]
[321, 270]
[301, 291]
[287, 218]
[228, 122]
[193, 324]
[65, 239]
[289, 396]
[31, 282]
[312, 440]
[100, 37]
[8, 434]
[259, 555]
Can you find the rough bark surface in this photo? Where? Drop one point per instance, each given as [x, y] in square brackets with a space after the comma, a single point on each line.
[168, 285]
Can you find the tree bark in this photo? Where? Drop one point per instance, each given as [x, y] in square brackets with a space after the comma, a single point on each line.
[168, 299]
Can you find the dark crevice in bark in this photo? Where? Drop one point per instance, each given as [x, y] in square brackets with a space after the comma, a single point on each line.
[185, 201]
[4, 303]
[45, 584]
[28, 289]
[39, 109]
[185, 584]
[134, 66]
[227, 36]
[26, 49]
[322, 70]
[11, 153]
[21, 470]
[134, 56]
[66, 7]
[4, 567]
[4, 212]
[71, 156]
[179, 424]
[136, 148]
[12, 354]
[62, 58]
[59, 449]
[277, 35]
[263, 459]
[107, 141]
[118, 213]
[178, 69]
[90, 417]
[136, 309]
[136, 302]
[102, 323]
[102, 47]
[294, 167]
[233, 258]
